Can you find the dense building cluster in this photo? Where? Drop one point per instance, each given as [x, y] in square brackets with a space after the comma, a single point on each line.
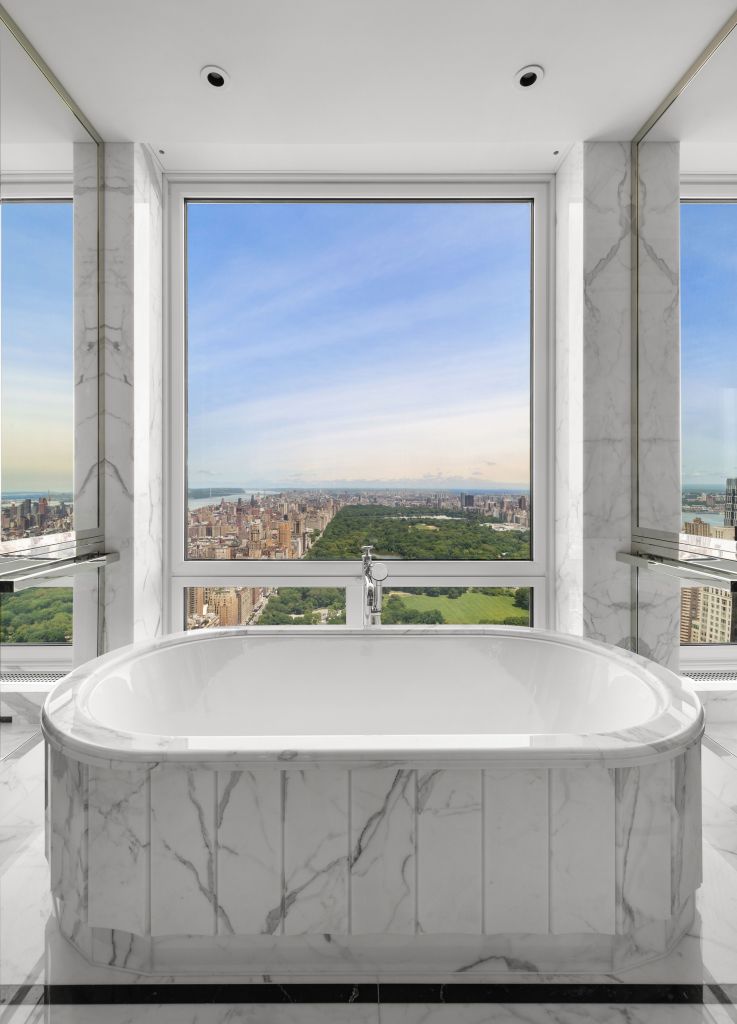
[33, 517]
[709, 614]
[285, 525]
[220, 606]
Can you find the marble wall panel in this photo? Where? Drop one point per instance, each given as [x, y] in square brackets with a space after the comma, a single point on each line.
[249, 852]
[132, 337]
[183, 898]
[383, 862]
[644, 806]
[686, 865]
[119, 846]
[582, 850]
[569, 394]
[593, 393]
[86, 337]
[606, 384]
[516, 851]
[69, 831]
[659, 388]
[316, 851]
[148, 442]
[659, 381]
[449, 850]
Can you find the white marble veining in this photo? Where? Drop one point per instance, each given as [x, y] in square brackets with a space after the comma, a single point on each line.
[659, 414]
[606, 391]
[351, 851]
[133, 393]
[516, 843]
[450, 848]
[659, 387]
[315, 897]
[569, 342]
[582, 833]
[119, 837]
[249, 851]
[382, 856]
[148, 443]
[183, 898]
[528, 1013]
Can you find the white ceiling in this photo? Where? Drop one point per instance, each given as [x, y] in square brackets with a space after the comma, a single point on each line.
[350, 85]
[704, 117]
[37, 128]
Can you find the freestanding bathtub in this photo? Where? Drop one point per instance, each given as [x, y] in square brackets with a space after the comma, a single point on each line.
[335, 802]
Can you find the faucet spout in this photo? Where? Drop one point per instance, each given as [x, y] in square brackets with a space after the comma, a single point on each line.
[374, 574]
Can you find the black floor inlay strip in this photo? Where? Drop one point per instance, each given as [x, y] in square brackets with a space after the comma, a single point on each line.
[392, 992]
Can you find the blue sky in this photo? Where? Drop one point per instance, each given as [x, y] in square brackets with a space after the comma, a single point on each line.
[348, 343]
[709, 342]
[37, 347]
[359, 343]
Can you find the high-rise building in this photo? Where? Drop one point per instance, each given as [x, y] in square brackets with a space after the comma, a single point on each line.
[730, 502]
[285, 533]
[697, 527]
[716, 618]
[689, 612]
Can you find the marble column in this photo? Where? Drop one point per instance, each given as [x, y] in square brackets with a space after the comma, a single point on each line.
[593, 392]
[86, 381]
[659, 388]
[132, 393]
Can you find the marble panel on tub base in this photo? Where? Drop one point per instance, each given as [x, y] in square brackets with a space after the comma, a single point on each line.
[472, 957]
[182, 868]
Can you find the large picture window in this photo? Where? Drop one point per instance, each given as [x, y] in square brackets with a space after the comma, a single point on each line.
[36, 403]
[352, 369]
[709, 404]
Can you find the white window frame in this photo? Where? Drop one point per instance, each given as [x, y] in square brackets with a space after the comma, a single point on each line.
[182, 573]
[38, 657]
[705, 657]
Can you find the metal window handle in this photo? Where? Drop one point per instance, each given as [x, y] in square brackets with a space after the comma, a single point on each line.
[689, 569]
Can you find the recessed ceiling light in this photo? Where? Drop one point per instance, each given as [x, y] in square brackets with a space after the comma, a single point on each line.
[217, 78]
[529, 76]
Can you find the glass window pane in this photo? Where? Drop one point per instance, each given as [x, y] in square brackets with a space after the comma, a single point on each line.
[708, 402]
[36, 351]
[358, 373]
[208, 607]
[497, 606]
[41, 615]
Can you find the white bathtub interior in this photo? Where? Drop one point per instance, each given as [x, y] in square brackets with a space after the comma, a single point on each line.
[400, 685]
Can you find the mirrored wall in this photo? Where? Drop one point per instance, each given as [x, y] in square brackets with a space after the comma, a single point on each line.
[50, 502]
[686, 348]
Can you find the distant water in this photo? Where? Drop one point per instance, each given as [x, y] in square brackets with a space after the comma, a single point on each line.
[193, 503]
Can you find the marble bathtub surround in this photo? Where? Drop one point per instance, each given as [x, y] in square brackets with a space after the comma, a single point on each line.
[435, 853]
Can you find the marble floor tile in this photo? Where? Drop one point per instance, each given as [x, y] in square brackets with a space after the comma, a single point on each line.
[14, 735]
[31, 948]
[725, 734]
[22, 789]
[569, 1013]
[223, 1013]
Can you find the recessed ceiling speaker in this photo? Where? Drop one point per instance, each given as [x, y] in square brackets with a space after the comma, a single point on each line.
[215, 77]
[529, 75]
